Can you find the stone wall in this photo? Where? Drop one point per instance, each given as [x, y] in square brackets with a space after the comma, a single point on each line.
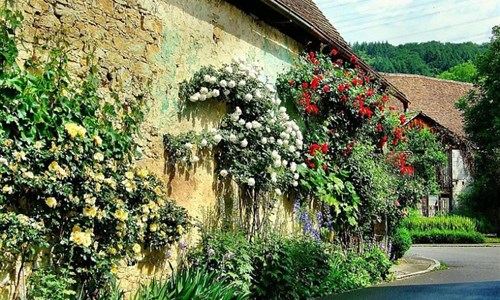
[151, 46]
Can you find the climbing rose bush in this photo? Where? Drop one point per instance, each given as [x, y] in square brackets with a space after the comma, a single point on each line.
[69, 190]
[257, 144]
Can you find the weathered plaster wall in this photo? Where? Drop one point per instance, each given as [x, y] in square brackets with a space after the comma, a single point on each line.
[460, 174]
[146, 45]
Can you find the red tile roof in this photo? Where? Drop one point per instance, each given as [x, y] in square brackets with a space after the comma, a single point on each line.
[436, 98]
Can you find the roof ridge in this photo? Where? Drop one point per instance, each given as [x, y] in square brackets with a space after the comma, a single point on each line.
[427, 77]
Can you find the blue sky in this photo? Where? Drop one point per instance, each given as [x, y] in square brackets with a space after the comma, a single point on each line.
[402, 21]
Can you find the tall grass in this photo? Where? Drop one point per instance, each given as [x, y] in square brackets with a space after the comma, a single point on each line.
[440, 222]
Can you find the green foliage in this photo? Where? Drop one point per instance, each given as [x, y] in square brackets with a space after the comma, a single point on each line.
[482, 125]
[429, 58]
[465, 72]
[230, 255]
[428, 154]
[440, 222]
[288, 268]
[67, 180]
[189, 284]
[401, 242]
[446, 236]
[291, 269]
[48, 283]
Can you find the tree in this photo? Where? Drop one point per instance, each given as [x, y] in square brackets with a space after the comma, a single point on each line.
[465, 72]
[482, 125]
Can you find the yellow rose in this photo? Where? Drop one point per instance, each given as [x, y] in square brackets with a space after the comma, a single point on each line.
[112, 251]
[97, 140]
[7, 189]
[51, 202]
[90, 211]
[38, 145]
[114, 269]
[71, 129]
[129, 175]
[121, 214]
[136, 248]
[142, 173]
[180, 229]
[153, 227]
[99, 156]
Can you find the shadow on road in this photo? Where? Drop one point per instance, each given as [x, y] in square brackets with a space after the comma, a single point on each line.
[464, 291]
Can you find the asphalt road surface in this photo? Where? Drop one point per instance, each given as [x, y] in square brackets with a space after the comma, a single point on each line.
[473, 273]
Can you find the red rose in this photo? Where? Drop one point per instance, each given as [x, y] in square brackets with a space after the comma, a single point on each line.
[385, 98]
[312, 165]
[341, 88]
[325, 167]
[379, 127]
[392, 108]
[305, 85]
[291, 82]
[369, 93]
[402, 118]
[326, 89]
[324, 148]
[354, 59]
[367, 78]
[344, 98]
[314, 83]
[313, 148]
[334, 52]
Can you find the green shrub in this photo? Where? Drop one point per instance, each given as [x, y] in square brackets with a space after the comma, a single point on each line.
[440, 222]
[401, 242]
[198, 284]
[446, 237]
[228, 254]
[288, 268]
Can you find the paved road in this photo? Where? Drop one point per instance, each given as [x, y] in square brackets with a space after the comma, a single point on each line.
[473, 273]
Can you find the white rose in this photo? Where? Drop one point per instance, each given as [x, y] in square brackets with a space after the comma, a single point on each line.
[206, 78]
[275, 154]
[284, 163]
[216, 93]
[248, 125]
[248, 97]
[203, 142]
[212, 80]
[285, 142]
[229, 69]
[295, 183]
[263, 140]
[203, 90]
[203, 97]
[4, 161]
[277, 163]
[296, 176]
[223, 83]
[232, 138]
[188, 145]
[194, 97]
[242, 83]
[279, 142]
[258, 94]
[237, 110]
[271, 140]
[251, 182]
[223, 173]
[217, 138]
[195, 159]
[227, 92]
[231, 84]
[282, 109]
[244, 143]
[256, 125]
[278, 192]
[242, 122]
[293, 166]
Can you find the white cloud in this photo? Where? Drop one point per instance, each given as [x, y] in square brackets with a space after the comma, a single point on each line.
[413, 21]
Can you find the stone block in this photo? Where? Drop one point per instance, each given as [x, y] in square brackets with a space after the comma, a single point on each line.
[105, 5]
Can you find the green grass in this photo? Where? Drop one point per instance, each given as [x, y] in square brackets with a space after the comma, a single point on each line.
[492, 240]
[458, 223]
